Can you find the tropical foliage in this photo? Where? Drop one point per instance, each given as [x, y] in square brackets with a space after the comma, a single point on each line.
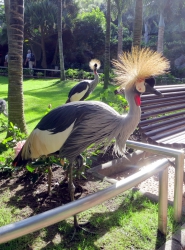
[83, 29]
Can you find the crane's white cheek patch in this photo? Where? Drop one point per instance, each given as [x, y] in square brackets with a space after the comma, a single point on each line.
[78, 96]
[140, 86]
[44, 142]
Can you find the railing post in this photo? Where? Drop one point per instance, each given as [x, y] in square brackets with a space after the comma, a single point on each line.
[179, 170]
[178, 187]
[163, 201]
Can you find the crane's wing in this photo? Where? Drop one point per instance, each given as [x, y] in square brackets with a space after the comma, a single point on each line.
[49, 134]
[54, 129]
[71, 128]
[79, 92]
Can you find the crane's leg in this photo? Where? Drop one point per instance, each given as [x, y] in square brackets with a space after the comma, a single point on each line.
[79, 165]
[49, 178]
[71, 187]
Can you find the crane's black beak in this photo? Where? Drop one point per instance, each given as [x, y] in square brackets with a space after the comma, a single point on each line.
[119, 92]
[149, 84]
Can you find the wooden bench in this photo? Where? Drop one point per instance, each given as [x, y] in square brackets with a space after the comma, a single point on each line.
[163, 118]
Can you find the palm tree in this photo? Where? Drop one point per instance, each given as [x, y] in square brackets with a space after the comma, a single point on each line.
[121, 8]
[60, 43]
[15, 24]
[138, 23]
[107, 47]
[69, 12]
[162, 7]
[160, 42]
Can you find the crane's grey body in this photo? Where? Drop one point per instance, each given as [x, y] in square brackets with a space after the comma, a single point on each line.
[90, 123]
[3, 107]
[107, 126]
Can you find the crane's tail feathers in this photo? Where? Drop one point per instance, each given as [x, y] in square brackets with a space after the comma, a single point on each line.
[139, 64]
[94, 63]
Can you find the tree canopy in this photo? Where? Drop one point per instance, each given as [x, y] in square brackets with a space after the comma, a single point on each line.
[84, 25]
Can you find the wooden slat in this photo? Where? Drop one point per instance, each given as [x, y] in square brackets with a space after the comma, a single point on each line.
[150, 96]
[162, 105]
[161, 100]
[157, 137]
[157, 112]
[178, 140]
[171, 137]
[161, 118]
[168, 129]
[169, 86]
[161, 124]
[170, 89]
[165, 128]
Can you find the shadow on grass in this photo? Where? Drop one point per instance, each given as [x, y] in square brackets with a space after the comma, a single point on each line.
[178, 241]
[35, 119]
[59, 236]
[101, 223]
[160, 239]
[57, 84]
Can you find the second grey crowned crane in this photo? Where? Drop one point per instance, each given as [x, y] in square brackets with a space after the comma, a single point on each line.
[3, 107]
[69, 129]
[83, 89]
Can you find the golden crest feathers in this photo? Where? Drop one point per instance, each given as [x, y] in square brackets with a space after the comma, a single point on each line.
[93, 62]
[139, 64]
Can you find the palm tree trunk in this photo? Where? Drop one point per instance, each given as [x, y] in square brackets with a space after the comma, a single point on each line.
[146, 38]
[60, 43]
[107, 48]
[120, 35]
[160, 34]
[44, 63]
[54, 60]
[15, 64]
[138, 23]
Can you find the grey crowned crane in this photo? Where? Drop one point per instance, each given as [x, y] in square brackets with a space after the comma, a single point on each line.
[3, 107]
[69, 129]
[84, 88]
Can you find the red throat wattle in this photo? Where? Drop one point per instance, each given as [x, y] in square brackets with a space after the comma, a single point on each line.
[137, 100]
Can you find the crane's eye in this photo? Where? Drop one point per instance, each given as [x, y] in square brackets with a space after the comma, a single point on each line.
[140, 86]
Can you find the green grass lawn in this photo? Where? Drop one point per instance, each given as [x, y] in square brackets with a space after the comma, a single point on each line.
[126, 222]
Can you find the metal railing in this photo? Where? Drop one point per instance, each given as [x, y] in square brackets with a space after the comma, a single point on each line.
[60, 213]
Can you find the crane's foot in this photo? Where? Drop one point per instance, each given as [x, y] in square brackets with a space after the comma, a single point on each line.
[81, 227]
